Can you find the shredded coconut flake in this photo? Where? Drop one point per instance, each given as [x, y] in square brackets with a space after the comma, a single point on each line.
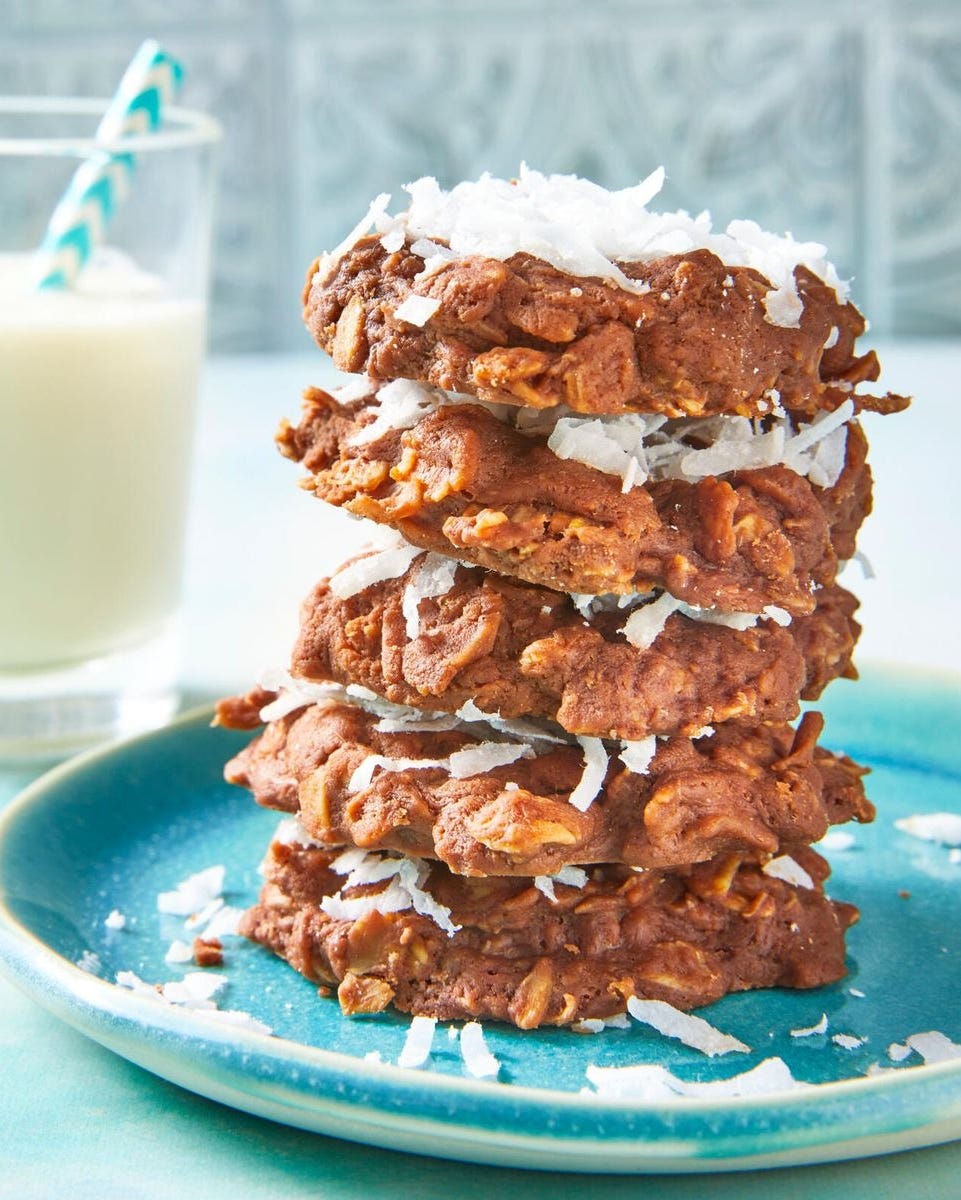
[405, 890]
[374, 568]
[637, 756]
[290, 832]
[115, 920]
[417, 310]
[848, 1041]
[193, 894]
[836, 839]
[484, 757]
[570, 876]
[812, 1030]
[650, 1082]
[940, 827]
[599, 1024]
[224, 923]
[417, 1044]
[179, 952]
[785, 868]
[478, 1060]
[595, 770]
[435, 577]
[89, 962]
[691, 1030]
[933, 1046]
[197, 989]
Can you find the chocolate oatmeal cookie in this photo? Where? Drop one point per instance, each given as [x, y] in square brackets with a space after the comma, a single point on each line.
[520, 650]
[735, 791]
[522, 332]
[465, 484]
[511, 953]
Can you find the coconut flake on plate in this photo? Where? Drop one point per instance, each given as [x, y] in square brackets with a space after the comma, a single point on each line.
[115, 920]
[237, 1019]
[650, 1082]
[788, 870]
[179, 952]
[942, 827]
[933, 1046]
[691, 1030]
[193, 894]
[224, 923]
[418, 1042]
[89, 962]
[197, 989]
[848, 1041]
[478, 1060]
[812, 1030]
[836, 839]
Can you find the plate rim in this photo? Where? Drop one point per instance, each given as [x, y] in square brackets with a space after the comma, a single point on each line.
[84, 1000]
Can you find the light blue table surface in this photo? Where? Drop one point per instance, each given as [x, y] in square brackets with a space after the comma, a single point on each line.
[77, 1121]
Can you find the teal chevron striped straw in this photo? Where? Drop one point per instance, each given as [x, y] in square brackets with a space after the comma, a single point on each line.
[99, 184]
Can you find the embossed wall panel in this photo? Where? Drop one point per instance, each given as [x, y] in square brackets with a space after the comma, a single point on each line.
[840, 121]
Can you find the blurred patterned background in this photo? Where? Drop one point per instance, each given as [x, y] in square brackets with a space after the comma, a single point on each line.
[837, 119]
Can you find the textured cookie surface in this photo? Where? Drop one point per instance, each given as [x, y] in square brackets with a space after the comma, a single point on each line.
[523, 650]
[522, 332]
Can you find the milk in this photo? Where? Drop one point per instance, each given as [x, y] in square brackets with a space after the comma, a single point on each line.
[97, 396]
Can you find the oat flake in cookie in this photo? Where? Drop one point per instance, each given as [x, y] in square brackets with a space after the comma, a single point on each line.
[537, 755]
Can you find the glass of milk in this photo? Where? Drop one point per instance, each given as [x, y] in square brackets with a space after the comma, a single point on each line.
[98, 388]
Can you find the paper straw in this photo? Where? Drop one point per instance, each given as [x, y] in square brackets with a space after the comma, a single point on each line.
[100, 183]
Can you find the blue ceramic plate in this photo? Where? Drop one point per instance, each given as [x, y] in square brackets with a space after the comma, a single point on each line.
[112, 829]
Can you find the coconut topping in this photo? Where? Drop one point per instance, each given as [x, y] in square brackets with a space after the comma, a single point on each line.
[435, 577]
[595, 771]
[406, 875]
[571, 876]
[786, 868]
[586, 230]
[374, 568]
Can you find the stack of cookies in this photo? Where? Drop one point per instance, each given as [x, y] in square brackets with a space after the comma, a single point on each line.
[540, 750]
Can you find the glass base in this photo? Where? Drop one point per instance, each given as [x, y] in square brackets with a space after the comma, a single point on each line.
[49, 715]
